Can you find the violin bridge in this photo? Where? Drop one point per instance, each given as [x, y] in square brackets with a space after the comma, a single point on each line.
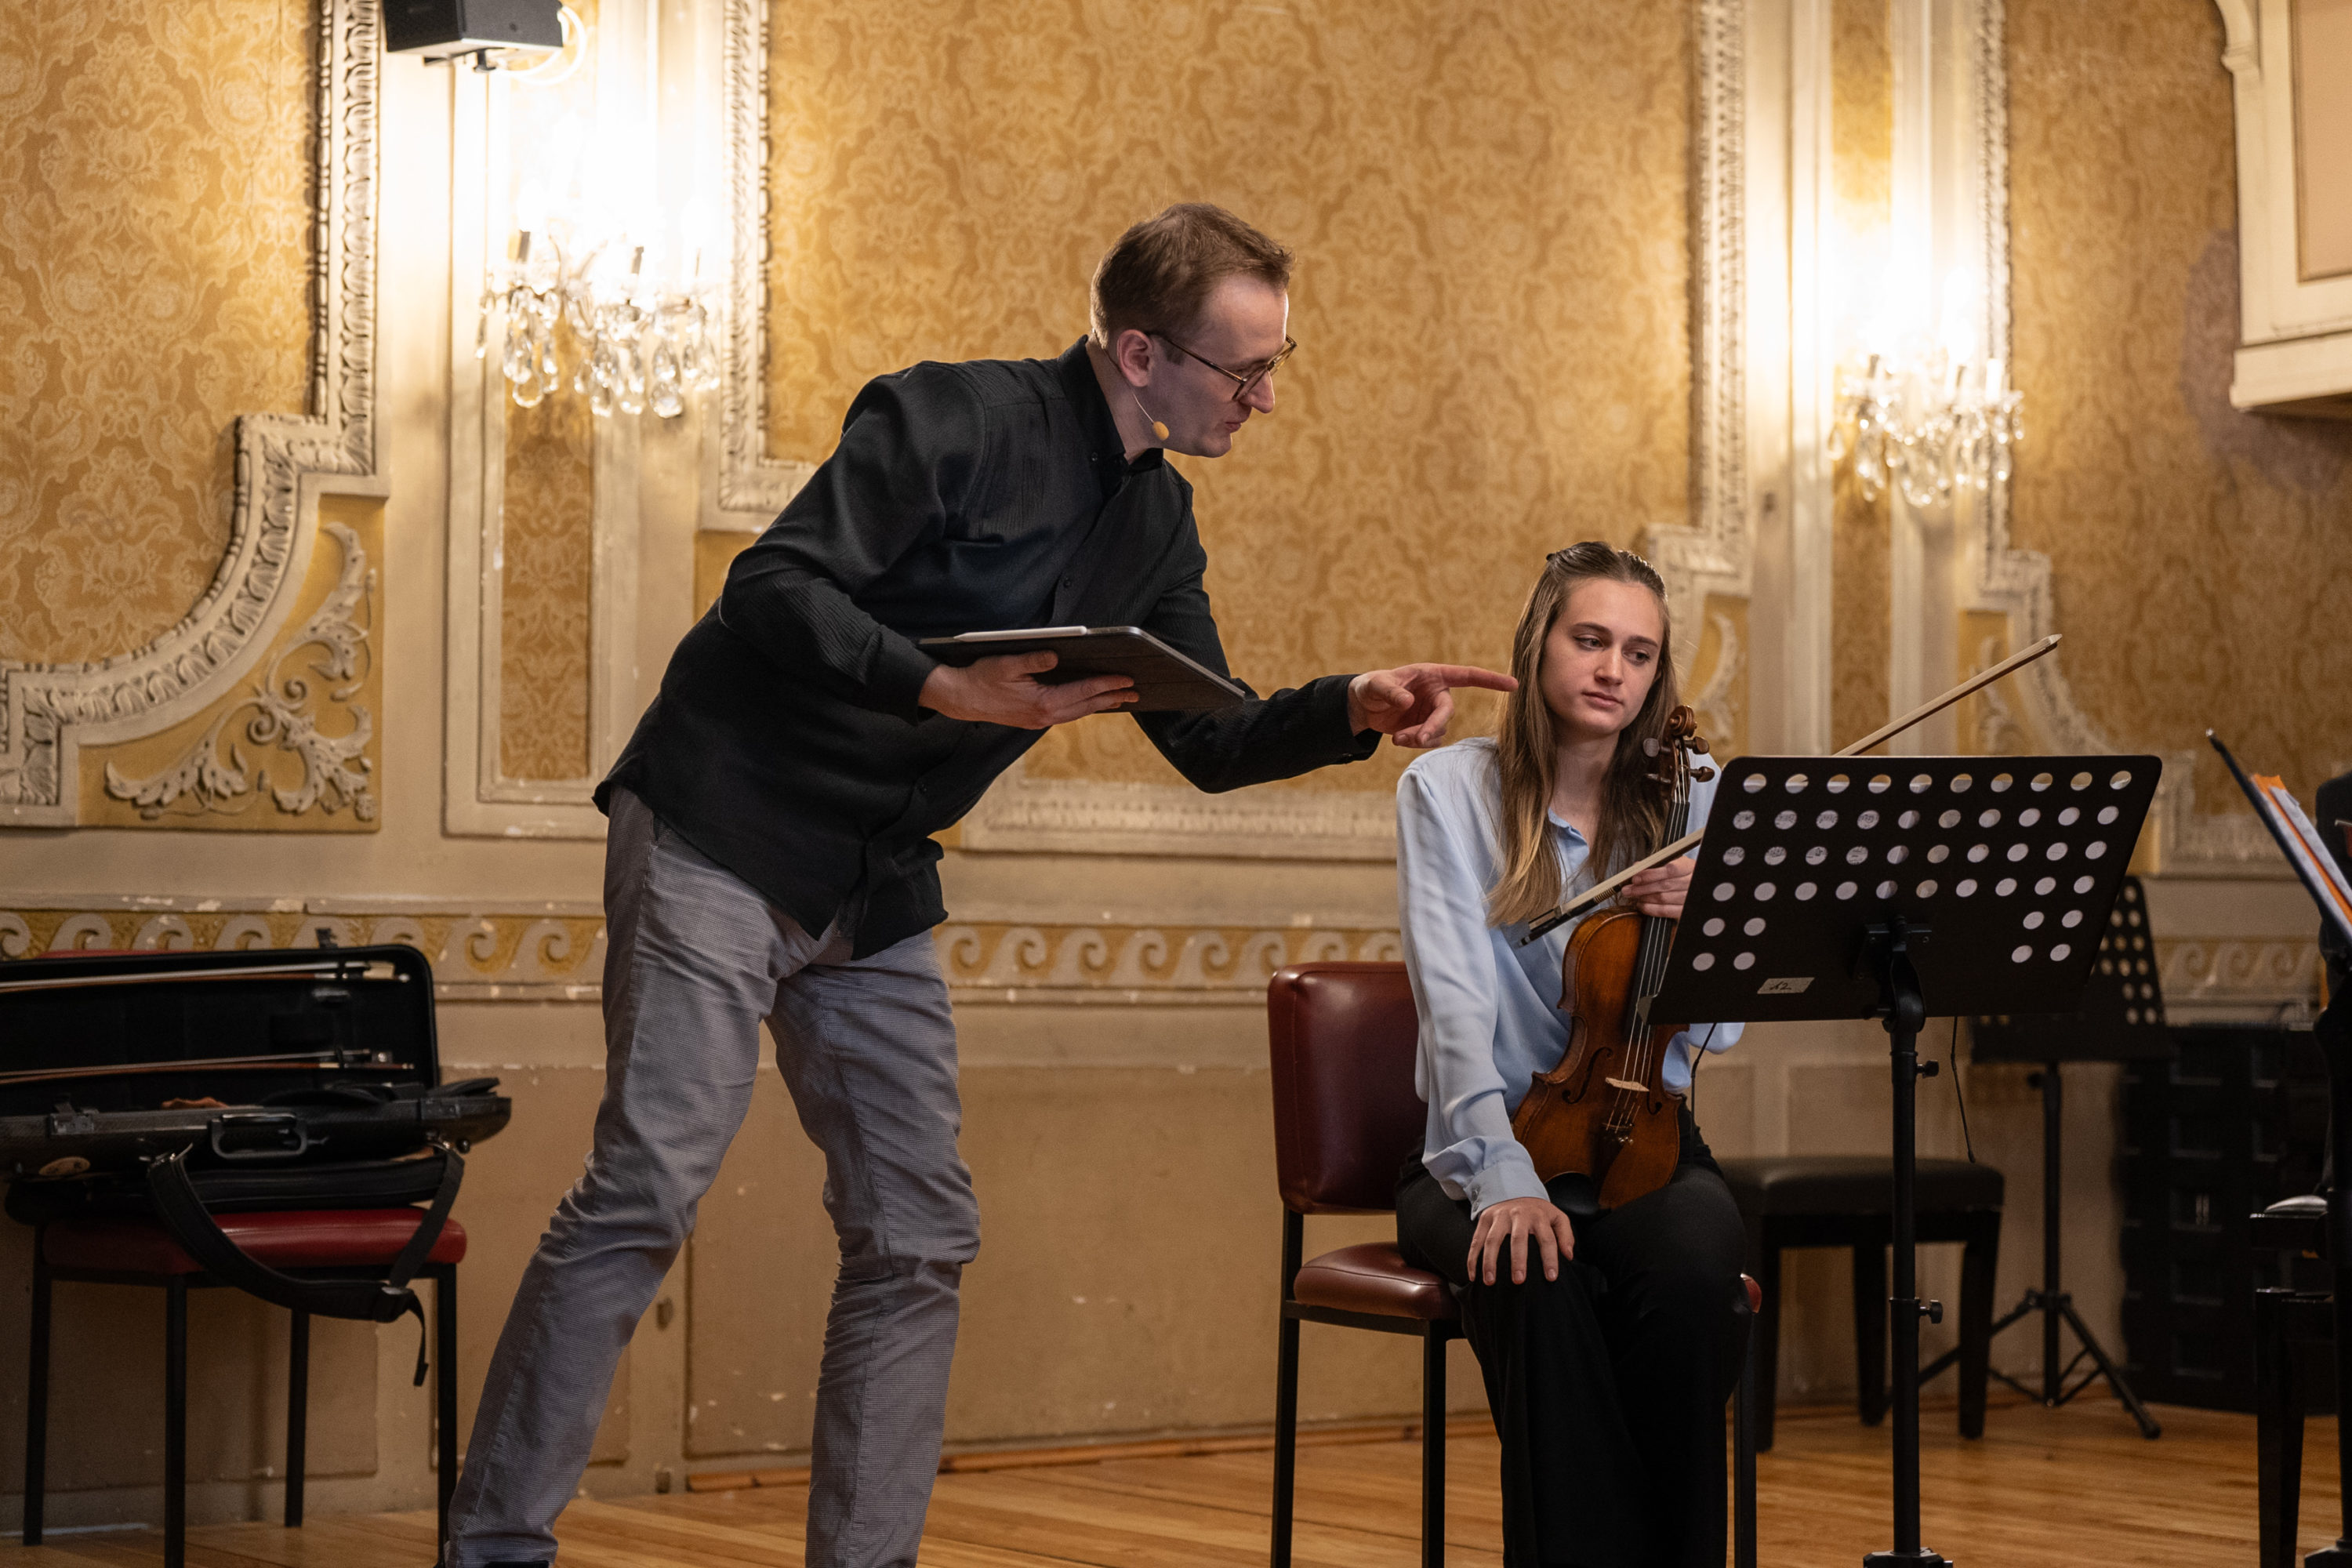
[1621, 1083]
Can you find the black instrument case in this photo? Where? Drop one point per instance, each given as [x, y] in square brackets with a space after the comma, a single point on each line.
[291, 1078]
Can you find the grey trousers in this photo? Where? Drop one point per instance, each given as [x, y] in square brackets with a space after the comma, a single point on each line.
[695, 959]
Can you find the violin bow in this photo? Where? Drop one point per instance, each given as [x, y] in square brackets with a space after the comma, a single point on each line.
[1684, 846]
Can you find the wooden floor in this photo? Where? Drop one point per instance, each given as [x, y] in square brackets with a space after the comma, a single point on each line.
[2043, 1488]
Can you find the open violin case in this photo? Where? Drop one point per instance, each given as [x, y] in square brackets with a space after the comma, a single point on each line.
[174, 1086]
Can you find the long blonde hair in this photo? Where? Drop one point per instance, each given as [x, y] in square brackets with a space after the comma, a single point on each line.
[1633, 808]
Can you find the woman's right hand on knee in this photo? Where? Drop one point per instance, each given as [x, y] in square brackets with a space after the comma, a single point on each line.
[1511, 1226]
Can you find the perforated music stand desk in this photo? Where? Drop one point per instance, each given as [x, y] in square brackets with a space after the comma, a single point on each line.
[2120, 1018]
[1870, 887]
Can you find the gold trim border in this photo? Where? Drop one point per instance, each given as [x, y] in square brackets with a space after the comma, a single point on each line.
[555, 952]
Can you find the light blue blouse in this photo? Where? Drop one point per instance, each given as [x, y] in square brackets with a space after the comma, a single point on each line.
[1490, 1018]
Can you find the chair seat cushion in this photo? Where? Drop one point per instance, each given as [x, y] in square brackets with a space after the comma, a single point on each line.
[1854, 1183]
[301, 1239]
[1375, 1278]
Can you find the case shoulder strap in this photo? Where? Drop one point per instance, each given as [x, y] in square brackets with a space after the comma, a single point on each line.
[182, 1209]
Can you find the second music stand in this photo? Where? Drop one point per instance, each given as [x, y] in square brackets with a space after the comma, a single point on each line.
[2121, 1019]
[1860, 888]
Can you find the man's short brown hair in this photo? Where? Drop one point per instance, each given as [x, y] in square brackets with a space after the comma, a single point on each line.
[1160, 274]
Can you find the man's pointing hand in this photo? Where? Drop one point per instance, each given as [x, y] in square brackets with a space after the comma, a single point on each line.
[1413, 703]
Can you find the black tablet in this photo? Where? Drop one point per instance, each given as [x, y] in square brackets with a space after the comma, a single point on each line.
[1165, 680]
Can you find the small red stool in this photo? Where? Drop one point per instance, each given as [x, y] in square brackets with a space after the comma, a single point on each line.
[322, 1244]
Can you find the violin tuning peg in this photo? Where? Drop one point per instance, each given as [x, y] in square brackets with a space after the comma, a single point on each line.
[1650, 746]
[1698, 743]
[1702, 774]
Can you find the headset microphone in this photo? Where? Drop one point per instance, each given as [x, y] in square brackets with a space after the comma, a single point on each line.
[1159, 431]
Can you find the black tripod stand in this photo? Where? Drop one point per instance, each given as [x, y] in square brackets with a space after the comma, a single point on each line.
[2053, 1303]
[2121, 1019]
[1817, 884]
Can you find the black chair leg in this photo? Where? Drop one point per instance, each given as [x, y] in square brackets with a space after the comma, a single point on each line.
[175, 1422]
[1432, 1446]
[1743, 1450]
[37, 1398]
[2278, 1432]
[445, 1343]
[1764, 1263]
[298, 1415]
[1870, 1311]
[1979, 1261]
[1286, 1393]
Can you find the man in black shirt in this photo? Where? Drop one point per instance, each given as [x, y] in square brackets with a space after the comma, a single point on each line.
[770, 853]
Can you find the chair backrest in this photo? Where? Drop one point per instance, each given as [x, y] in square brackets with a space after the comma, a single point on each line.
[1343, 1037]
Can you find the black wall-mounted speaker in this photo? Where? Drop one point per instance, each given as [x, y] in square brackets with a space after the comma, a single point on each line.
[441, 28]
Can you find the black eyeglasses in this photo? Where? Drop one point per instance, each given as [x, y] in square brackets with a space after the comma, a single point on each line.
[1243, 383]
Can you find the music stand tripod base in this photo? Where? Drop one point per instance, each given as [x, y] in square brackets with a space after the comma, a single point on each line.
[1876, 888]
[2121, 1019]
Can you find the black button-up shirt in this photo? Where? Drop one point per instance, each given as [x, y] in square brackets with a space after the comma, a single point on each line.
[787, 743]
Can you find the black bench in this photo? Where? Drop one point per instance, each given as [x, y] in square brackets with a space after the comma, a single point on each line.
[1844, 1200]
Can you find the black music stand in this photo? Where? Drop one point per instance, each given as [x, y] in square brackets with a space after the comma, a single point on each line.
[1859, 888]
[2121, 1019]
[2319, 869]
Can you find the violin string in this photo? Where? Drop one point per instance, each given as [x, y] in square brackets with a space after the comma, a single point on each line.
[1650, 963]
[1657, 941]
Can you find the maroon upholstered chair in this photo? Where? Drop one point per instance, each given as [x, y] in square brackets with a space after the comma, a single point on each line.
[319, 1243]
[1344, 1038]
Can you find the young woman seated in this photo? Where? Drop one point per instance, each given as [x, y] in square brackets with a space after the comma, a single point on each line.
[1609, 1339]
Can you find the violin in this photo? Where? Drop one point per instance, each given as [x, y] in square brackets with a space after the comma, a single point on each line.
[1605, 1111]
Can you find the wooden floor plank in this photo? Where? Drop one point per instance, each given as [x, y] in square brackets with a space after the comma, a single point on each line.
[2041, 1488]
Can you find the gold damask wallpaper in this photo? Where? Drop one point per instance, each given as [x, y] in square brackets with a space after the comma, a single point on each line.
[547, 547]
[1491, 303]
[2198, 552]
[155, 188]
[548, 491]
[1861, 173]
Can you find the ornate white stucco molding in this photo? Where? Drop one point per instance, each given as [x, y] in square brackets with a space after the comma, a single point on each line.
[2214, 978]
[747, 486]
[1714, 552]
[555, 952]
[992, 965]
[284, 462]
[1077, 816]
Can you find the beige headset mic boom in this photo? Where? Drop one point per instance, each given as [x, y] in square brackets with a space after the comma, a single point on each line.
[1159, 431]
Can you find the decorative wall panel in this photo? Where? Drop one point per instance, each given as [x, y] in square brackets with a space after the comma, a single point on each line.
[544, 512]
[1491, 212]
[168, 274]
[2165, 515]
[1862, 208]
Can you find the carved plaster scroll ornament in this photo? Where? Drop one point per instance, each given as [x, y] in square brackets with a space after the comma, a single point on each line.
[334, 767]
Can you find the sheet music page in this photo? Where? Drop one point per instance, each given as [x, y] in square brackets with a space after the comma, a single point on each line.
[2318, 869]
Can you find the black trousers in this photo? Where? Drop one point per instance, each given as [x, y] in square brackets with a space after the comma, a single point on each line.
[1608, 1385]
